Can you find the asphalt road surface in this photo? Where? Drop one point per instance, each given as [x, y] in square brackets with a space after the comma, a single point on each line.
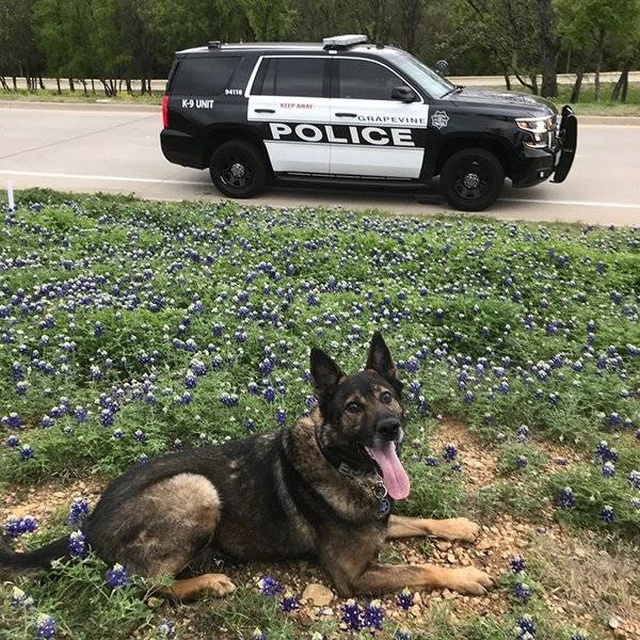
[99, 147]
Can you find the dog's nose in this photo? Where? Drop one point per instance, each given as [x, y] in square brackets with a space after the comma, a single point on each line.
[388, 427]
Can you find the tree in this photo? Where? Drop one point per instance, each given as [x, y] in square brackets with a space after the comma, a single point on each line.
[589, 26]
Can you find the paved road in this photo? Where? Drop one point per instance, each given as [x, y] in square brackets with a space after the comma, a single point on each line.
[100, 148]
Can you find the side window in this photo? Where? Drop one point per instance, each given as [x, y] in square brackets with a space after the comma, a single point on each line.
[303, 77]
[203, 76]
[365, 80]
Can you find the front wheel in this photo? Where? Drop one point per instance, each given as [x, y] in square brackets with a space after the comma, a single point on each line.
[238, 169]
[472, 179]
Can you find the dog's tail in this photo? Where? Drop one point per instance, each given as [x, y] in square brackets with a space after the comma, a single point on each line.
[12, 562]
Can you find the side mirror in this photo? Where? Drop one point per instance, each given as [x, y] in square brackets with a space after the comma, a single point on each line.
[442, 68]
[404, 94]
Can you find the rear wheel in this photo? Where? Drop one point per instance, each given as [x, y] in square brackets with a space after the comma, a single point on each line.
[238, 169]
[472, 179]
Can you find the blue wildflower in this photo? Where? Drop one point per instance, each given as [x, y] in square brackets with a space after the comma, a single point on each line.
[352, 616]
[402, 635]
[373, 616]
[166, 630]
[608, 470]
[522, 592]
[20, 599]
[404, 599]
[78, 511]
[258, 635]
[450, 452]
[634, 479]
[46, 626]
[289, 603]
[517, 564]
[607, 515]
[566, 498]
[117, 576]
[269, 586]
[77, 545]
[26, 452]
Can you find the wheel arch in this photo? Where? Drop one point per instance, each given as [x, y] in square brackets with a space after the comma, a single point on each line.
[218, 135]
[496, 146]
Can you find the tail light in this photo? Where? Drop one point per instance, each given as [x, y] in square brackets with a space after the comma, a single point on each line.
[165, 111]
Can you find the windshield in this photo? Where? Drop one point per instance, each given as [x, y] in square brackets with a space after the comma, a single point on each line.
[435, 85]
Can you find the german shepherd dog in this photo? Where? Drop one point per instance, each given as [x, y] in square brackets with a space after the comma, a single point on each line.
[321, 489]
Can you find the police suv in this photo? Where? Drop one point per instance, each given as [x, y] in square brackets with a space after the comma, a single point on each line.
[348, 111]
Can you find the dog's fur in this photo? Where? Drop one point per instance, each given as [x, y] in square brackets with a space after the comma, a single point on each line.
[310, 491]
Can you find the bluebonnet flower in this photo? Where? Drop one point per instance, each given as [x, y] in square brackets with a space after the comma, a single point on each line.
[26, 452]
[566, 498]
[117, 576]
[166, 630]
[522, 592]
[373, 616]
[117, 434]
[404, 599]
[249, 425]
[352, 616]
[140, 436]
[258, 635]
[605, 452]
[289, 603]
[579, 635]
[28, 524]
[20, 599]
[521, 462]
[77, 544]
[522, 434]
[634, 479]
[269, 586]
[12, 442]
[526, 624]
[13, 527]
[607, 515]
[450, 452]
[12, 421]
[78, 511]
[517, 564]
[281, 416]
[46, 626]
[608, 470]
[400, 634]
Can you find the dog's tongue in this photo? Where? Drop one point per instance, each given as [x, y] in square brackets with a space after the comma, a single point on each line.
[394, 477]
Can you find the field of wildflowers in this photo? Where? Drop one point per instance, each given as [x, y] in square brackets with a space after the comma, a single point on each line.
[131, 328]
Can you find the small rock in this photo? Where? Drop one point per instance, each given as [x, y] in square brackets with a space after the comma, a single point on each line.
[317, 595]
[614, 622]
[441, 545]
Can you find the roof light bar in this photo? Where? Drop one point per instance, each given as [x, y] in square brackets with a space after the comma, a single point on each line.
[341, 42]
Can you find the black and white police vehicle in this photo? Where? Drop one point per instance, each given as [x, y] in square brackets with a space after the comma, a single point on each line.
[349, 111]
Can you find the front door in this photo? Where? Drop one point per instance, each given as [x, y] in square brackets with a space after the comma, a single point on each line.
[373, 134]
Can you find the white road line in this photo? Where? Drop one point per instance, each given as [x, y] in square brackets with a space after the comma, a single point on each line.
[575, 203]
[80, 176]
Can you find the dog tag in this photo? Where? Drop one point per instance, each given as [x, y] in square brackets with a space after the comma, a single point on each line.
[385, 506]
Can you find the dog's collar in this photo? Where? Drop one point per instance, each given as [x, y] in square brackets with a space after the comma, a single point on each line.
[344, 468]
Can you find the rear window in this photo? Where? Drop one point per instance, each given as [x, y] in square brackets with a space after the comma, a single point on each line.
[204, 76]
[301, 77]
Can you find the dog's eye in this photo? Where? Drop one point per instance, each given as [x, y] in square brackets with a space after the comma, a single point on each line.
[386, 397]
[353, 407]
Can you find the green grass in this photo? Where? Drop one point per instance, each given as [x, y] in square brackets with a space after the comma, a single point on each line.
[109, 306]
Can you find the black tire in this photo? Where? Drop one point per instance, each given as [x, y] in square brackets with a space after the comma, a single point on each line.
[472, 179]
[238, 169]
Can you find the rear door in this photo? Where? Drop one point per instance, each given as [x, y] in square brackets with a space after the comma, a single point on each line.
[373, 134]
[289, 94]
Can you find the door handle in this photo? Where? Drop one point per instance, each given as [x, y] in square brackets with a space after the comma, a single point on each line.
[265, 110]
[346, 115]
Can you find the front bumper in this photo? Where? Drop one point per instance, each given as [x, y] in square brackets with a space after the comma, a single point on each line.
[540, 164]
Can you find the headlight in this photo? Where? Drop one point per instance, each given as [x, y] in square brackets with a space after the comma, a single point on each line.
[541, 131]
[537, 125]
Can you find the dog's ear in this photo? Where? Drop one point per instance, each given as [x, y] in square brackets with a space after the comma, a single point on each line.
[325, 373]
[380, 359]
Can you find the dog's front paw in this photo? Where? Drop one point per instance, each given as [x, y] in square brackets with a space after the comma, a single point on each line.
[456, 529]
[217, 583]
[469, 580]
